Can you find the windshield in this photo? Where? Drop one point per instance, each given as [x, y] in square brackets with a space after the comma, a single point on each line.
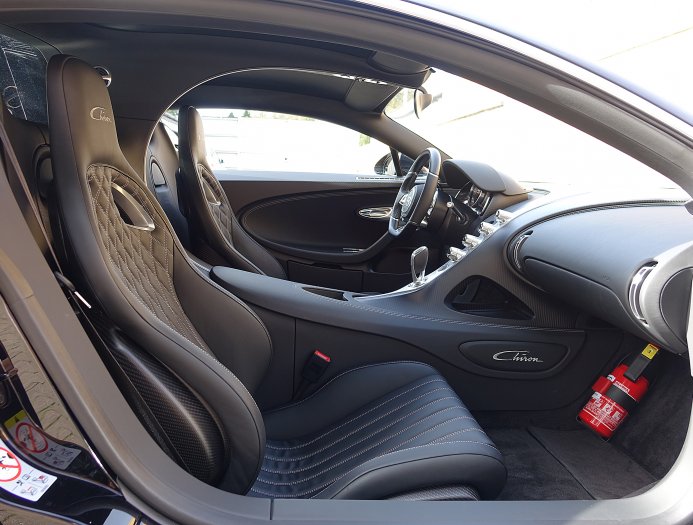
[472, 122]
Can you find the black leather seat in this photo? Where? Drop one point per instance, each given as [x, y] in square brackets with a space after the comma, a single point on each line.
[390, 430]
[210, 213]
[162, 181]
[379, 431]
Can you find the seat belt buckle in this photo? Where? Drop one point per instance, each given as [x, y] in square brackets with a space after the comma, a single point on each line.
[315, 367]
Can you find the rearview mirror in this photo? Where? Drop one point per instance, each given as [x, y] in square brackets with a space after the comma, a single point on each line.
[384, 166]
[422, 99]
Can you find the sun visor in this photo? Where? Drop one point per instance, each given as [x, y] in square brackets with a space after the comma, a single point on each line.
[394, 64]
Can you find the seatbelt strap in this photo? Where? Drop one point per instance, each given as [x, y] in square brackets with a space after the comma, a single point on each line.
[689, 333]
[13, 168]
[12, 165]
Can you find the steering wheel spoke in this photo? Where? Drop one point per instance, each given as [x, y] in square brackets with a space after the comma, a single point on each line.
[413, 199]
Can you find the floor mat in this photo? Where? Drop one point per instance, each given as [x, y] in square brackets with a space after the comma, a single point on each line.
[602, 469]
[533, 473]
[654, 435]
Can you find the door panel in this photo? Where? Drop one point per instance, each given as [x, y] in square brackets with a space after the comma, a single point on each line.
[311, 223]
[322, 221]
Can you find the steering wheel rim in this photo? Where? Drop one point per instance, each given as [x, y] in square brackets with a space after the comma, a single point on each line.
[413, 200]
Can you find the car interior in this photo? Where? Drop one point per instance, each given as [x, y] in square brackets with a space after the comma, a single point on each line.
[429, 330]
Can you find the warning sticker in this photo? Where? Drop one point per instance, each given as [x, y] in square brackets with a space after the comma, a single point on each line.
[30, 438]
[37, 444]
[10, 469]
[604, 412]
[21, 479]
[650, 351]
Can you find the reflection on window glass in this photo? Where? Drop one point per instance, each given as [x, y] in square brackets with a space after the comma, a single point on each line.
[249, 140]
[470, 121]
[23, 80]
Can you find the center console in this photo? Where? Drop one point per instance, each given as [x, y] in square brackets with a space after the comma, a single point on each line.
[472, 318]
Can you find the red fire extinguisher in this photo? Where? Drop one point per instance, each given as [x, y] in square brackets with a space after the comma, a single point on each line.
[616, 395]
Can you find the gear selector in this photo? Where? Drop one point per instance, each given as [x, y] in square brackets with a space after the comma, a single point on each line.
[419, 259]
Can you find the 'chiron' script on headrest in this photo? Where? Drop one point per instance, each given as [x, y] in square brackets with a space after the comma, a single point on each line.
[99, 113]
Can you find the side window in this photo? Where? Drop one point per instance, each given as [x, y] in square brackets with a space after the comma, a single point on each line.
[249, 140]
[23, 80]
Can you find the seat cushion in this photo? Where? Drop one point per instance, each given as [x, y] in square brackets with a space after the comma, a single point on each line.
[375, 432]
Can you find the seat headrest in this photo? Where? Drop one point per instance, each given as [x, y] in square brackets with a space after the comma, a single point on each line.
[191, 134]
[79, 103]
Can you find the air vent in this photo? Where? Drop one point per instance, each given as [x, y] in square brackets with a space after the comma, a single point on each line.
[517, 246]
[636, 284]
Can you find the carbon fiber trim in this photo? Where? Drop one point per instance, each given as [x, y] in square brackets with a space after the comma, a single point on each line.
[454, 493]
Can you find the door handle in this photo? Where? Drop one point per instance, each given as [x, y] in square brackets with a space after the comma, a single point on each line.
[377, 214]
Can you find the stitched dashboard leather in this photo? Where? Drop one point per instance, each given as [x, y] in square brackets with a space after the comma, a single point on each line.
[384, 447]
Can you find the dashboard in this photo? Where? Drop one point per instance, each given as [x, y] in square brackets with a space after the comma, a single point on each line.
[630, 264]
[474, 197]
[625, 258]
[480, 187]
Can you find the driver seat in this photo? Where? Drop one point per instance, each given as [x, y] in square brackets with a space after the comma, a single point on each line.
[209, 210]
[196, 353]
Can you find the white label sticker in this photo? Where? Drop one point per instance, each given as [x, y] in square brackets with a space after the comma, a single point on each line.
[22, 479]
[37, 444]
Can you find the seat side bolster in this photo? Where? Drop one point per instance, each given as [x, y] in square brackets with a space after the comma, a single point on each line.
[245, 347]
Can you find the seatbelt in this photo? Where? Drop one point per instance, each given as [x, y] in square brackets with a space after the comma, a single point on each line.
[13, 166]
[689, 330]
[80, 304]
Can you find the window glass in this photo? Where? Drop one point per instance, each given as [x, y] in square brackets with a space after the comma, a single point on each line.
[470, 121]
[23, 80]
[248, 140]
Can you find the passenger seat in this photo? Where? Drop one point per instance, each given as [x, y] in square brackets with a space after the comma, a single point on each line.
[211, 217]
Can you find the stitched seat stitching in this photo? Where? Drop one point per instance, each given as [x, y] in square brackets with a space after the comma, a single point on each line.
[323, 486]
[174, 318]
[364, 426]
[361, 440]
[398, 447]
[362, 414]
[437, 440]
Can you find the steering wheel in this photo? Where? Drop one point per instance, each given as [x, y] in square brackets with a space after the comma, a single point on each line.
[414, 199]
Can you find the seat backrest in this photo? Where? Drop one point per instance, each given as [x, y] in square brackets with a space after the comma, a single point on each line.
[162, 180]
[128, 257]
[210, 212]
